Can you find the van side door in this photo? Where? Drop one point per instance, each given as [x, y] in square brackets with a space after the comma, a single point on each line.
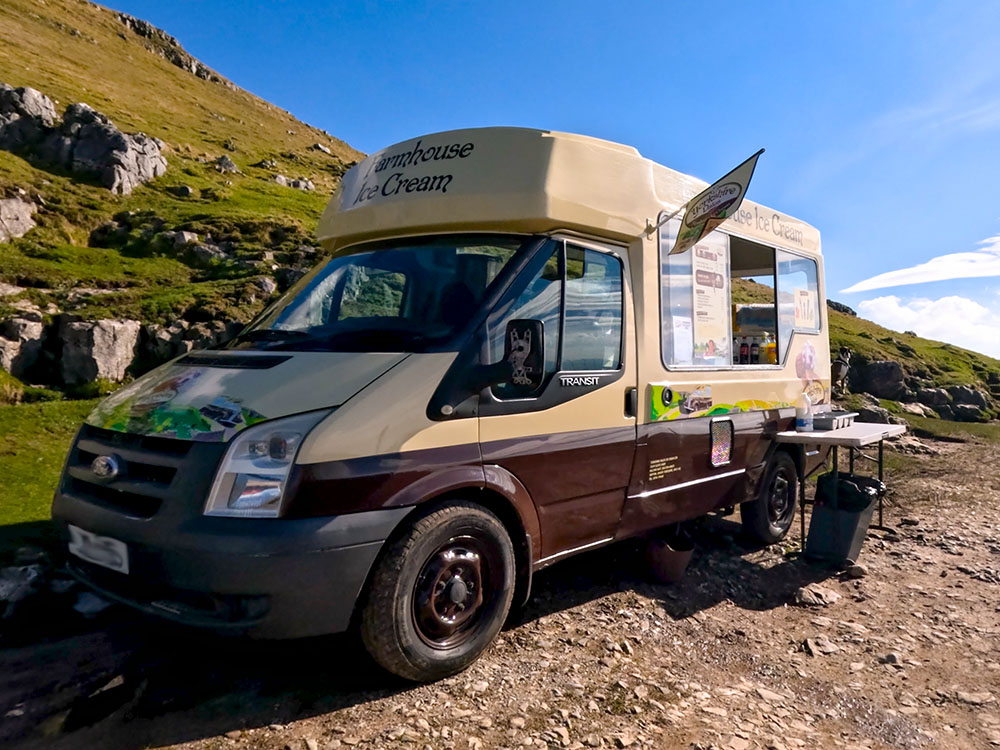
[571, 443]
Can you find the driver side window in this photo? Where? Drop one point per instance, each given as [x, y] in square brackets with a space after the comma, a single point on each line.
[540, 300]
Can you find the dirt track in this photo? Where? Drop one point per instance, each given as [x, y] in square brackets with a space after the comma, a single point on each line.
[600, 657]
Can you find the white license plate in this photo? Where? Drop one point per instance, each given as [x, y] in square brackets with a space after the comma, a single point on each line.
[100, 550]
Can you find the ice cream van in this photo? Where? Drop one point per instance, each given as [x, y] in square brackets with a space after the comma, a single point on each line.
[498, 365]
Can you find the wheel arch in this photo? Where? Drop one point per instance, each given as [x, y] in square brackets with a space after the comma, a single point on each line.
[504, 496]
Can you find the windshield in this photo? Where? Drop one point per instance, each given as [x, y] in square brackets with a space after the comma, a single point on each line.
[400, 296]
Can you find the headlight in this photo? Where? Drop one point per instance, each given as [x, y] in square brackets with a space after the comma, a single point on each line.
[250, 482]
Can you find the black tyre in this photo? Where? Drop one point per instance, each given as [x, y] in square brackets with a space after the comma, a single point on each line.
[440, 593]
[769, 516]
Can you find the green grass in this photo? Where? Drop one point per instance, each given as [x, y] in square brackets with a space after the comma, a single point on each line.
[34, 439]
[76, 51]
[943, 429]
[940, 363]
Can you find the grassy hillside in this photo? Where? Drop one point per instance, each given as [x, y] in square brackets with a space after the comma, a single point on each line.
[76, 51]
[932, 363]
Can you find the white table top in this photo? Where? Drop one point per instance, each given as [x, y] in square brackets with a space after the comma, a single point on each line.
[852, 436]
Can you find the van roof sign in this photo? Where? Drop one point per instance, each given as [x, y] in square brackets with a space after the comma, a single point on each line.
[526, 181]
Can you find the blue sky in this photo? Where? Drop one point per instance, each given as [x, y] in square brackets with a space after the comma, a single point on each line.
[881, 120]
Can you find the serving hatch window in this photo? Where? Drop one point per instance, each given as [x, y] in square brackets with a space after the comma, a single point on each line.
[729, 302]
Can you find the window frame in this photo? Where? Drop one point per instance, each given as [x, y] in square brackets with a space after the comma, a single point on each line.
[730, 367]
[553, 393]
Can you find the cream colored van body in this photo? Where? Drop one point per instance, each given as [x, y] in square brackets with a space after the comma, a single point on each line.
[634, 431]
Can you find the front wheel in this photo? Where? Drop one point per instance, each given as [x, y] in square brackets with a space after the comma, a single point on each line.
[768, 517]
[440, 593]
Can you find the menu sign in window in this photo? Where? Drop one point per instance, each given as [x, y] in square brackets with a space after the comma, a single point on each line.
[710, 301]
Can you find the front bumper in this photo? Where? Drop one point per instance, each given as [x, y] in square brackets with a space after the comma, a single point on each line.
[267, 578]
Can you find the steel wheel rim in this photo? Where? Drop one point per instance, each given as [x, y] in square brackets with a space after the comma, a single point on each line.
[453, 591]
[780, 499]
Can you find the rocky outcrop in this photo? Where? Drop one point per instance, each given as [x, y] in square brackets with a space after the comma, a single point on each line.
[841, 307]
[21, 340]
[933, 397]
[965, 395]
[26, 115]
[98, 349]
[16, 218]
[161, 43]
[883, 379]
[85, 143]
[88, 143]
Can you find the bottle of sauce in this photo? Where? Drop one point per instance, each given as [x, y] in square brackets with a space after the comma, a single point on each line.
[744, 352]
[754, 351]
[803, 414]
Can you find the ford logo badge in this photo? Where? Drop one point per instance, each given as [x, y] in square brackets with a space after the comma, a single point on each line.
[105, 468]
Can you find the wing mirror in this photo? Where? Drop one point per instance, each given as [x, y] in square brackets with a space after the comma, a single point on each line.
[524, 352]
[523, 365]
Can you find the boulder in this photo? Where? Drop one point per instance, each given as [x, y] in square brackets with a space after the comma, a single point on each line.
[286, 277]
[301, 184]
[163, 343]
[226, 165]
[324, 149]
[969, 413]
[16, 218]
[933, 397]
[884, 379]
[281, 180]
[266, 285]
[918, 409]
[183, 238]
[945, 411]
[964, 394]
[25, 116]
[98, 349]
[205, 253]
[21, 341]
[88, 143]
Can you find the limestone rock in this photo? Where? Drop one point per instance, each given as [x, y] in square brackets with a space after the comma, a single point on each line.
[25, 116]
[968, 413]
[16, 218]
[101, 349]
[226, 165]
[205, 253]
[884, 379]
[301, 184]
[933, 397]
[20, 343]
[918, 409]
[964, 394]
[88, 143]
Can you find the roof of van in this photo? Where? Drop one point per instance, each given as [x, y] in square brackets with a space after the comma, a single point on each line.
[522, 180]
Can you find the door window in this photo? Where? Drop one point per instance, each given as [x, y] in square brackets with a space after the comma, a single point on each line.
[593, 332]
[577, 294]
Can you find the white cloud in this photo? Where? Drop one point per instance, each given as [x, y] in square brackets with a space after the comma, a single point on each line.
[968, 265]
[957, 320]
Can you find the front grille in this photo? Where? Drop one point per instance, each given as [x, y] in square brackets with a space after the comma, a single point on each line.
[148, 466]
[129, 503]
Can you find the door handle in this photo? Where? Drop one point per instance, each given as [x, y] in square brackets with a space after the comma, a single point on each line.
[631, 402]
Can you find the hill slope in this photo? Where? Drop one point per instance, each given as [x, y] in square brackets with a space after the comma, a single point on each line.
[74, 51]
[77, 265]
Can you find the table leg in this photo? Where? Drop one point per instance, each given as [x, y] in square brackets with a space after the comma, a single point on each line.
[881, 477]
[851, 459]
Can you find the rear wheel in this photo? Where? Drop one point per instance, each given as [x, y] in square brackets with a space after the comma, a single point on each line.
[769, 516]
[440, 594]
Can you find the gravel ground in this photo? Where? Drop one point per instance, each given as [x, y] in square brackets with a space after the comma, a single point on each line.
[906, 655]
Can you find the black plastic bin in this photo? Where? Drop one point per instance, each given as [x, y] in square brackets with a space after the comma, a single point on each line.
[841, 514]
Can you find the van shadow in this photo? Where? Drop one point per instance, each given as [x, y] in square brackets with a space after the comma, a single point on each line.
[719, 571]
[178, 685]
